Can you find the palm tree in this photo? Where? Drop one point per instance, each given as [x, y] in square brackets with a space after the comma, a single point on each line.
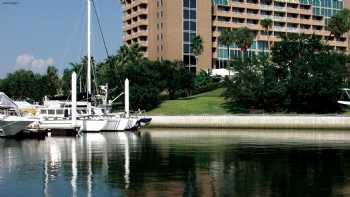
[243, 38]
[339, 23]
[227, 38]
[266, 23]
[197, 46]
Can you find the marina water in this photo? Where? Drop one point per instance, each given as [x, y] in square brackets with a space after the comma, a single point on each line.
[179, 163]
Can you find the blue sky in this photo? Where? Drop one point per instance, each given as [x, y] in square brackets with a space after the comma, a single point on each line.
[35, 33]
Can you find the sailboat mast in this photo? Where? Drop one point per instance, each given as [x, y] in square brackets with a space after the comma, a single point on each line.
[88, 78]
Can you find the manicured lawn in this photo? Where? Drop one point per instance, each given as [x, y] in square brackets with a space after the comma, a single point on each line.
[208, 103]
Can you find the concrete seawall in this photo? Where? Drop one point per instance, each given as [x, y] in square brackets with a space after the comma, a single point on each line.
[253, 122]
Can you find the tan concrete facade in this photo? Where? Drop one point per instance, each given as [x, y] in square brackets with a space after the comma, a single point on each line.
[157, 25]
[164, 32]
[160, 34]
[172, 31]
[204, 23]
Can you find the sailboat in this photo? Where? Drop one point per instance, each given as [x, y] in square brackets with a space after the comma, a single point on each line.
[88, 118]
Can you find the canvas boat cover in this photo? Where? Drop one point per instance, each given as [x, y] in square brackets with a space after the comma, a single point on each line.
[23, 105]
[6, 102]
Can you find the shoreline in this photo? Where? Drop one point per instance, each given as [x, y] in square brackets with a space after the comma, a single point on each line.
[341, 122]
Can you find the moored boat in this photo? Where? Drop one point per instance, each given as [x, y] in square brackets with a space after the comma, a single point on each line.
[11, 121]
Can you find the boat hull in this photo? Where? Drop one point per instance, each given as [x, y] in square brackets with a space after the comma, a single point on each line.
[91, 125]
[13, 127]
[85, 125]
[121, 124]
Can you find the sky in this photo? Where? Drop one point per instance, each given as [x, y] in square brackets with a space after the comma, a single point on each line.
[38, 33]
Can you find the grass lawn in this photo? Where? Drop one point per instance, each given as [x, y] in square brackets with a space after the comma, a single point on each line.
[208, 103]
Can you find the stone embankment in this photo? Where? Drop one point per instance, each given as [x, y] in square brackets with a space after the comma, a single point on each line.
[253, 122]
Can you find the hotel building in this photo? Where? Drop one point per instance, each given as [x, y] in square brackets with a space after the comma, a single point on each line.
[164, 28]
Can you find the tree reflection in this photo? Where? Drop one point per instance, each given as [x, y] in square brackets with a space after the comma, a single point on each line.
[174, 164]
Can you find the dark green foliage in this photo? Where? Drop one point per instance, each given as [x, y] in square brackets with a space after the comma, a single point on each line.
[204, 82]
[304, 76]
[197, 45]
[226, 38]
[66, 81]
[243, 37]
[53, 81]
[244, 89]
[81, 70]
[266, 23]
[339, 23]
[148, 79]
[24, 84]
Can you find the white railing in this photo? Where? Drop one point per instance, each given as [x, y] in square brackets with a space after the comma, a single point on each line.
[266, 16]
[279, 28]
[292, 29]
[279, 8]
[266, 7]
[281, 18]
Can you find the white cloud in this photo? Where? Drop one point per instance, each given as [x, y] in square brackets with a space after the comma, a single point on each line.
[28, 61]
[24, 59]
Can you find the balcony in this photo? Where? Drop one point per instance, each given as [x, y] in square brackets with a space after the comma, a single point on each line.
[135, 13]
[222, 13]
[221, 23]
[253, 16]
[279, 18]
[266, 16]
[270, 38]
[266, 7]
[279, 8]
[245, 5]
[306, 31]
[254, 26]
[279, 28]
[134, 3]
[292, 29]
[293, 10]
[293, 20]
[143, 43]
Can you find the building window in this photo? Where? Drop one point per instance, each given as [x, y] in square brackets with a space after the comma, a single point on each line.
[189, 30]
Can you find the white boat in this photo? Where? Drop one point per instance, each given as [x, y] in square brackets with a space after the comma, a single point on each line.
[57, 114]
[89, 118]
[12, 125]
[11, 122]
[347, 93]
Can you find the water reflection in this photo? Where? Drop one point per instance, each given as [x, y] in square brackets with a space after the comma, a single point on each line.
[179, 163]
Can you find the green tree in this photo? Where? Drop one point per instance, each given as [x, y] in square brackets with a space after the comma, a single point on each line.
[175, 78]
[339, 23]
[197, 46]
[266, 23]
[112, 70]
[243, 38]
[25, 85]
[147, 78]
[53, 81]
[314, 73]
[303, 76]
[81, 70]
[226, 38]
